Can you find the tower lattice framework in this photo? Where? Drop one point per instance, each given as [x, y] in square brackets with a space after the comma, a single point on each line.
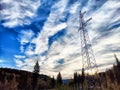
[88, 60]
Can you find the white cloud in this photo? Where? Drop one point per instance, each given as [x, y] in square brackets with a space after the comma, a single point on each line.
[102, 20]
[18, 12]
[102, 17]
[68, 47]
[107, 46]
[19, 56]
[50, 27]
[74, 7]
[72, 45]
[19, 63]
[25, 36]
[1, 61]
[89, 5]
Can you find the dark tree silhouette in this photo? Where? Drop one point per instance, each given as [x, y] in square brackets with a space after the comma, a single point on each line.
[117, 69]
[53, 82]
[59, 79]
[37, 68]
[117, 61]
[75, 78]
[35, 75]
[83, 78]
[79, 79]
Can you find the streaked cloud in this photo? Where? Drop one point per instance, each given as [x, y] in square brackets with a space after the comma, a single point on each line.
[55, 40]
[18, 12]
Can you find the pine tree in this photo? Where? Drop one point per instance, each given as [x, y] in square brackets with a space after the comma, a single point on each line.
[36, 68]
[59, 79]
[35, 76]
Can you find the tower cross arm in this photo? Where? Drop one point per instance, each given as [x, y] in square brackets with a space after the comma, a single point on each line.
[82, 14]
[88, 20]
[85, 23]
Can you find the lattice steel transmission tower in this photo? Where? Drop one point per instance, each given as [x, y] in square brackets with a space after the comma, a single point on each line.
[88, 60]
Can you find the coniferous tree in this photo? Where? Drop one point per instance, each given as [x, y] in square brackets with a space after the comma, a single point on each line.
[59, 79]
[35, 76]
[36, 68]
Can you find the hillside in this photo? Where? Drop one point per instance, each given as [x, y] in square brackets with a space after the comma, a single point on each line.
[12, 79]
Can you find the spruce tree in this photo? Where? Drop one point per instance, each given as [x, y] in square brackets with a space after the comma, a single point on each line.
[59, 79]
[35, 76]
[36, 68]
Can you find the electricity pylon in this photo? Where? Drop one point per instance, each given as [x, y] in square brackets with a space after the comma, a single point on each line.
[88, 60]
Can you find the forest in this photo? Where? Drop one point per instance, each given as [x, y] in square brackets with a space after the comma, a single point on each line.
[12, 79]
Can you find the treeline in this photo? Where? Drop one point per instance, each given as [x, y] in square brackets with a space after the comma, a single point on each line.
[12, 79]
[108, 80]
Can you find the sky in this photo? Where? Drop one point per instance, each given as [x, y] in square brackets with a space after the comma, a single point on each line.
[47, 31]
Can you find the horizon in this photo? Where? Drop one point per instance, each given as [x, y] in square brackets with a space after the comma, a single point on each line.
[48, 32]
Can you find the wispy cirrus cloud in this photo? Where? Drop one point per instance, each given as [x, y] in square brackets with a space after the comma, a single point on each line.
[57, 42]
[19, 12]
[25, 37]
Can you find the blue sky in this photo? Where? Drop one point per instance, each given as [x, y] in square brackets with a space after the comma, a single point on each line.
[47, 30]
